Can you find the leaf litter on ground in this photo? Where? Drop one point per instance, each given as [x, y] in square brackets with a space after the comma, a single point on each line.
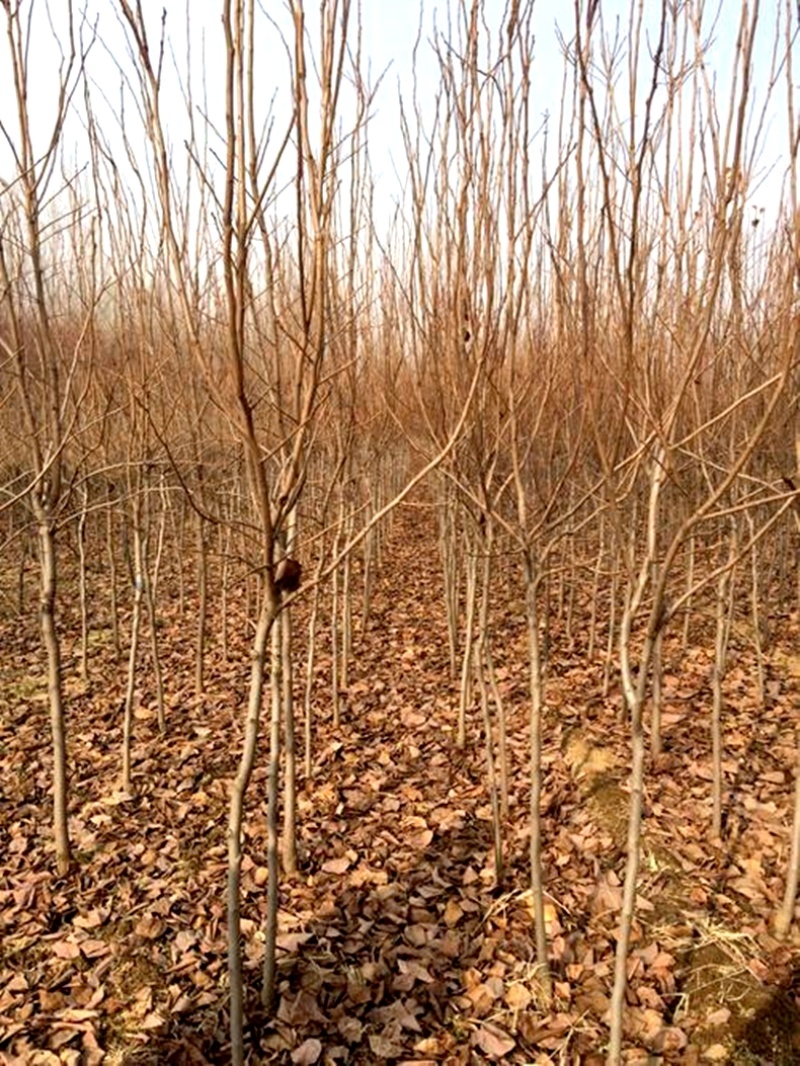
[395, 942]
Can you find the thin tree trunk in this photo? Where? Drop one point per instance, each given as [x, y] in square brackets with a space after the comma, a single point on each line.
[502, 731]
[465, 699]
[136, 615]
[202, 608]
[235, 819]
[179, 541]
[273, 858]
[535, 671]
[785, 916]
[561, 592]
[154, 577]
[82, 590]
[150, 593]
[569, 635]
[287, 701]
[23, 555]
[755, 607]
[310, 661]
[724, 605]
[290, 757]
[335, 634]
[634, 687]
[449, 556]
[158, 674]
[687, 617]
[491, 773]
[369, 571]
[347, 613]
[657, 695]
[634, 699]
[226, 567]
[480, 656]
[49, 584]
[598, 566]
[612, 624]
[112, 568]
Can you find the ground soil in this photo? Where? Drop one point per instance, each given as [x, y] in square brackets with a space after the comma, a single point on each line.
[398, 941]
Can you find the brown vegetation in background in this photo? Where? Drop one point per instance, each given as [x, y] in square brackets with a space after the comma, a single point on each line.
[575, 352]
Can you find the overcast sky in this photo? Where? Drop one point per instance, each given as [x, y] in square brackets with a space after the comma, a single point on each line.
[390, 30]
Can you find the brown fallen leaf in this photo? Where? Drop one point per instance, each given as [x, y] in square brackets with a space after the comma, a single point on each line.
[518, 997]
[301, 1010]
[307, 1053]
[453, 913]
[93, 1054]
[716, 1053]
[152, 1021]
[414, 969]
[670, 1038]
[437, 1045]
[59, 1038]
[337, 866]
[95, 949]
[718, 1017]
[51, 1001]
[350, 1029]
[493, 1041]
[150, 927]
[73, 1015]
[386, 1045]
[363, 875]
[66, 949]
[607, 898]
[182, 1005]
[292, 941]
[91, 920]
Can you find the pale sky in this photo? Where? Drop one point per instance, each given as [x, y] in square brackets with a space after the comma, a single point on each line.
[390, 28]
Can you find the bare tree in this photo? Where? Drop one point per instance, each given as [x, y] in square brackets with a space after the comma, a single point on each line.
[48, 365]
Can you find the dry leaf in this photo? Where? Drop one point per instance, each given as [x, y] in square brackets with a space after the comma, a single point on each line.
[453, 913]
[494, 1042]
[307, 1053]
[337, 866]
[518, 997]
[66, 949]
[716, 1053]
[150, 927]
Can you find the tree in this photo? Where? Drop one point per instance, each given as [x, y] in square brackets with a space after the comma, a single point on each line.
[47, 362]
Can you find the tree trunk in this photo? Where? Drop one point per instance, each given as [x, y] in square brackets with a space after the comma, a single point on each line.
[235, 819]
[83, 593]
[273, 784]
[112, 580]
[656, 702]
[54, 688]
[465, 698]
[290, 760]
[537, 704]
[784, 917]
[202, 608]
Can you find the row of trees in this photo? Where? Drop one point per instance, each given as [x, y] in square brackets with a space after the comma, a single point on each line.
[576, 334]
